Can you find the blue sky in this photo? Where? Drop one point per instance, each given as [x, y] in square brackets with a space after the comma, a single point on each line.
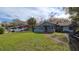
[23, 13]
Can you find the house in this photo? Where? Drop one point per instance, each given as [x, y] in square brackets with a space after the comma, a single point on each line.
[18, 28]
[55, 25]
[62, 25]
[44, 27]
[63, 28]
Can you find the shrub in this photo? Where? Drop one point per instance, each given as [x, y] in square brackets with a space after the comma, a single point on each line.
[1, 30]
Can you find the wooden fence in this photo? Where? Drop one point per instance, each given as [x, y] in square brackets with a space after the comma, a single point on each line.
[74, 42]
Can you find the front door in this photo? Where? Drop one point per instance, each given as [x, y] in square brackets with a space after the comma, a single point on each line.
[46, 28]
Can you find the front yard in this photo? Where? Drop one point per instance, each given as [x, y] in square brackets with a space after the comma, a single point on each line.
[28, 41]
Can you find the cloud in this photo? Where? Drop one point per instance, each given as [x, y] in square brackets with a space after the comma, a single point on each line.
[23, 13]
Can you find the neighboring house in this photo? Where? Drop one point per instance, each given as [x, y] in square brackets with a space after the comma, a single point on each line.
[18, 28]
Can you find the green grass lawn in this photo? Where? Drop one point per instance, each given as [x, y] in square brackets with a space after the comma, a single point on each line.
[60, 36]
[28, 41]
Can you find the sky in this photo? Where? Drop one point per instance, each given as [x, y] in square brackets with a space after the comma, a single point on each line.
[23, 13]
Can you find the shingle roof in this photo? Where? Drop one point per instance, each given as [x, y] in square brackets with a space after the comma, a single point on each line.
[60, 21]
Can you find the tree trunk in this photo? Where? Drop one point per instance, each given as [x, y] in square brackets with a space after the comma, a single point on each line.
[32, 28]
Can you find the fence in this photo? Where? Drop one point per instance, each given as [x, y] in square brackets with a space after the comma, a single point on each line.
[74, 42]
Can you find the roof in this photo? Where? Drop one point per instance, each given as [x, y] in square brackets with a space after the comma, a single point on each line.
[60, 21]
[44, 23]
[56, 21]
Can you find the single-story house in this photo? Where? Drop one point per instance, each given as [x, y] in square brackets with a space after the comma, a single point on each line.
[63, 28]
[47, 26]
[18, 28]
[62, 24]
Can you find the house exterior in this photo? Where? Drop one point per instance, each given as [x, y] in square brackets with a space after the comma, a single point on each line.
[68, 29]
[18, 28]
[45, 27]
[62, 25]
[63, 28]
[56, 25]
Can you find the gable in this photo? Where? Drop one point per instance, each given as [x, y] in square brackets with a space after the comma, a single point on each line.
[46, 24]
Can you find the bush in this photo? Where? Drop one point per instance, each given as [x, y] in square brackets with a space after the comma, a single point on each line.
[1, 30]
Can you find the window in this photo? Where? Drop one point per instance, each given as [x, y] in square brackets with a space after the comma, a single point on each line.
[71, 28]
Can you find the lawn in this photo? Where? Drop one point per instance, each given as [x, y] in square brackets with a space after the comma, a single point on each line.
[60, 36]
[28, 41]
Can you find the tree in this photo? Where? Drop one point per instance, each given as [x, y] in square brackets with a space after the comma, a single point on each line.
[31, 22]
[74, 15]
[1, 30]
[5, 24]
